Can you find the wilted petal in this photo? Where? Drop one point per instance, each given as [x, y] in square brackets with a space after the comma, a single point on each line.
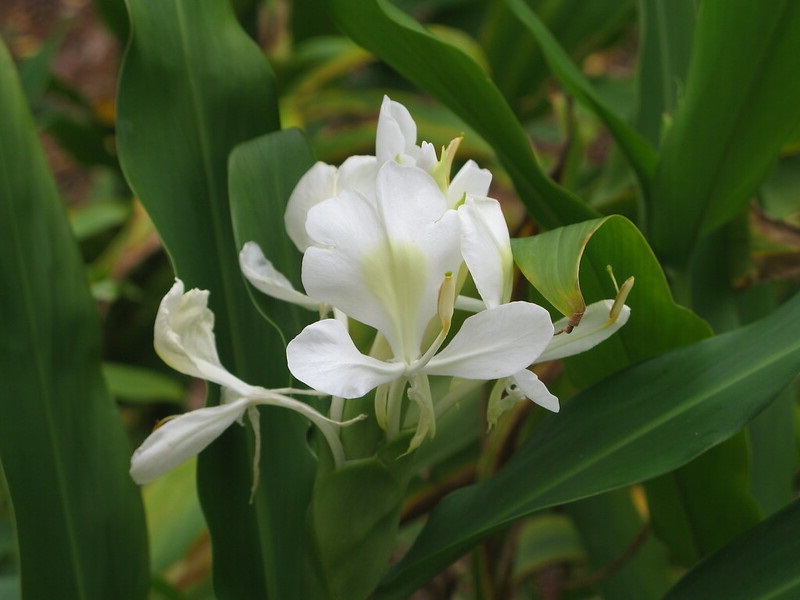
[495, 343]
[184, 338]
[529, 385]
[181, 438]
[267, 279]
[596, 326]
[486, 248]
[324, 357]
[396, 135]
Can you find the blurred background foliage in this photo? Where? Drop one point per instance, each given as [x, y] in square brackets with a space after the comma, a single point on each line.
[68, 54]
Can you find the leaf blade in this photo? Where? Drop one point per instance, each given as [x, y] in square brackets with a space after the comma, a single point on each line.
[679, 403]
[57, 420]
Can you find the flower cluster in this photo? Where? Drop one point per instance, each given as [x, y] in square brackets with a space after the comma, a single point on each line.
[388, 241]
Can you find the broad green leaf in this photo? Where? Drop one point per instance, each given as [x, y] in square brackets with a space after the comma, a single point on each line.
[79, 518]
[459, 83]
[262, 175]
[670, 409]
[353, 520]
[737, 111]
[640, 154]
[193, 86]
[569, 264]
[706, 503]
[666, 28]
[761, 564]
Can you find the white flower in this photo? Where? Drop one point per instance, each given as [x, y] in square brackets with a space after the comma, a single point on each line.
[395, 141]
[388, 262]
[184, 339]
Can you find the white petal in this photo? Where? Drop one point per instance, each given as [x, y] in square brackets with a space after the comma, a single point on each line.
[486, 247]
[358, 173]
[268, 280]
[595, 326]
[396, 136]
[495, 343]
[184, 338]
[470, 180]
[324, 357]
[532, 388]
[382, 262]
[181, 438]
[316, 185]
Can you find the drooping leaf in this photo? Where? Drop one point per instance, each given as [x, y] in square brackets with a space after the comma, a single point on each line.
[670, 409]
[79, 518]
[193, 86]
[458, 82]
[568, 266]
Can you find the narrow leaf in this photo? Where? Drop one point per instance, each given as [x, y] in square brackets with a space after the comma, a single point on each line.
[79, 518]
[759, 565]
[640, 154]
[738, 109]
[193, 86]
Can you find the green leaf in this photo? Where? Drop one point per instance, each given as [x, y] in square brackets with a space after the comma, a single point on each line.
[193, 86]
[263, 173]
[705, 504]
[759, 565]
[738, 109]
[354, 519]
[173, 516]
[663, 60]
[458, 82]
[141, 385]
[79, 518]
[576, 268]
[640, 154]
[670, 409]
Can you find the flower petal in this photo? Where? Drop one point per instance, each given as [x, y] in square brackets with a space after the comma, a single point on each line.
[184, 338]
[396, 135]
[316, 185]
[324, 357]
[181, 438]
[596, 326]
[382, 261]
[486, 248]
[470, 180]
[358, 173]
[531, 387]
[495, 343]
[267, 279]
